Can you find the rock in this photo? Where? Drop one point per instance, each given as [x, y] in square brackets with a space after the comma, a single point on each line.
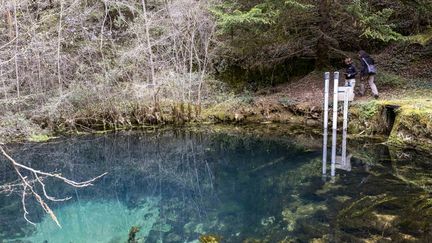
[312, 123]
[173, 237]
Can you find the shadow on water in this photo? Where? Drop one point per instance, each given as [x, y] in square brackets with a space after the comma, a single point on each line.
[180, 186]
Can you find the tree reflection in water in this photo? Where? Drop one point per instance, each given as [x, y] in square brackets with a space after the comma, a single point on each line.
[178, 185]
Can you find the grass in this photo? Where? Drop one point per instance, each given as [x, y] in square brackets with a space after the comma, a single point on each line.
[39, 138]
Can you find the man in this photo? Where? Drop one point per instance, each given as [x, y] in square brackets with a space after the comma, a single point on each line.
[350, 76]
[350, 73]
[367, 72]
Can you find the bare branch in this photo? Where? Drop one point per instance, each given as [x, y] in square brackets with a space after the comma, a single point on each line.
[28, 186]
[45, 193]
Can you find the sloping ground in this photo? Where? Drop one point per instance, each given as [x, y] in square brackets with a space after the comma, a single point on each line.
[403, 113]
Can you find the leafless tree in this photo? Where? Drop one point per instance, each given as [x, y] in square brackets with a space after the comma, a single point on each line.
[59, 49]
[50, 48]
[169, 45]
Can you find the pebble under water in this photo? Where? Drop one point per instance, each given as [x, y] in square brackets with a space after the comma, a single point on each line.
[229, 185]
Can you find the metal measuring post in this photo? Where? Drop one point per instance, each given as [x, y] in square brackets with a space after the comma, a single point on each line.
[345, 126]
[325, 133]
[334, 122]
[326, 97]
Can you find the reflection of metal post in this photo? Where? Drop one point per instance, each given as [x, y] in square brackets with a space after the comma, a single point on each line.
[334, 122]
[344, 149]
[333, 162]
[345, 127]
[324, 161]
[326, 97]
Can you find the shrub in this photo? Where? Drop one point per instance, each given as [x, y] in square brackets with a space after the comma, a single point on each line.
[390, 80]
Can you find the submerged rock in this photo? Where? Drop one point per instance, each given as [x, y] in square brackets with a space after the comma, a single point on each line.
[210, 239]
[132, 234]
[172, 237]
[301, 212]
[267, 221]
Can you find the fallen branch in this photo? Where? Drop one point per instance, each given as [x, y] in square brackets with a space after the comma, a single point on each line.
[28, 186]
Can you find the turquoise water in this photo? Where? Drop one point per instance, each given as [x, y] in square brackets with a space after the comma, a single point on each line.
[237, 185]
[93, 221]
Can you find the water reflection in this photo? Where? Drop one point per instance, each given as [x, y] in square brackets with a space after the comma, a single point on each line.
[341, 162]
[324, 158]
[156, 175]
[175, 185]
[178, 186]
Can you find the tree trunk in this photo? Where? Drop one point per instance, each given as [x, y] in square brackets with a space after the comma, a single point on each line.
[149, 45]
[60, 83]
[16, 51]
[323, 44]
[9, 22]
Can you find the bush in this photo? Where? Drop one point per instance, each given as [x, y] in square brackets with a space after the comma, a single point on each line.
[420, 84]
[369, 109]
[390, 80]
[16, 126]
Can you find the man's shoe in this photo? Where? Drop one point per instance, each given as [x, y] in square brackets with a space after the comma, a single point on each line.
[376, 96]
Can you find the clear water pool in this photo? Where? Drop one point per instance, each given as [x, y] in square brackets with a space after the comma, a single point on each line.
[236, 185]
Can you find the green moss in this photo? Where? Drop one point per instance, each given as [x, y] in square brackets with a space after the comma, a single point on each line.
[413, 124]
[231, 110]
[422, 38]
[364, 205]
[40, 138]
[342, 199]
[302, 211]
[210, 239]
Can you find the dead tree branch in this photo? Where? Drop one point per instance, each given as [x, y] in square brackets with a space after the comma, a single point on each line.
[28, 186]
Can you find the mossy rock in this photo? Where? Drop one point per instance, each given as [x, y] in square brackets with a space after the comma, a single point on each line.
[413, 125]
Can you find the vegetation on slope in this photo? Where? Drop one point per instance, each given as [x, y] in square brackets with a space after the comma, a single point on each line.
[100, 65]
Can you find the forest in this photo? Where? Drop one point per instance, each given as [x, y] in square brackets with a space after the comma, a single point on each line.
[71, 68]
[69, 65]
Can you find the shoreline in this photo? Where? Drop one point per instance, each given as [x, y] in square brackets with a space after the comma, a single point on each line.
[381, 120]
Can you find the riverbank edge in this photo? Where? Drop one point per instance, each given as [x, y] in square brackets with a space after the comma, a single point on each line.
[399, 123]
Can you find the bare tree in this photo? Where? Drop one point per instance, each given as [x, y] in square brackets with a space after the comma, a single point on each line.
[16, 50]
[58, 49]
[149, 45]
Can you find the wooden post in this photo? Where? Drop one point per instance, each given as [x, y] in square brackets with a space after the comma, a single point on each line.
[334, 122]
